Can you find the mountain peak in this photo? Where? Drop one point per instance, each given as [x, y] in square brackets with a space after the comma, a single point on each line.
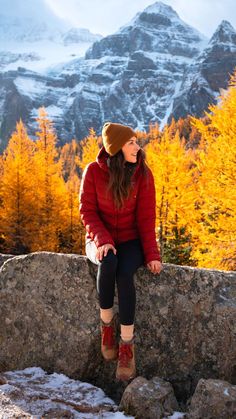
[225, 33]
[157, 29]
[226, 25]
[161, 8]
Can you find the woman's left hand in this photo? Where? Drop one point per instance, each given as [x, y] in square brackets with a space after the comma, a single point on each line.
[155, 266]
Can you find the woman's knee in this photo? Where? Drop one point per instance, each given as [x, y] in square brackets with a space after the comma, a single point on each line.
[110, 260]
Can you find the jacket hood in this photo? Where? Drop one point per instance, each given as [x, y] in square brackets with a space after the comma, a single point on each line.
[102, 160]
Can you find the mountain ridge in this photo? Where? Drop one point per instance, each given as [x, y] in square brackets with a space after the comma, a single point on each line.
[154, 68]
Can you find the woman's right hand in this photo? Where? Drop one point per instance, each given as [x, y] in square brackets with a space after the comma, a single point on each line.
[103, 250]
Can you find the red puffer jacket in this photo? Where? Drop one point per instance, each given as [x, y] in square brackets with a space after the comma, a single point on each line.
[106, 224]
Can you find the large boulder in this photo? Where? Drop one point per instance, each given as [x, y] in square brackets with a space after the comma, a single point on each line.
[213, 399]
[49, 314]
[149, 399]
[185, 322]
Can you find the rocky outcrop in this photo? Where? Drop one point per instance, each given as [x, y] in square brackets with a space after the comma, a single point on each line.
[185, 322]
[32, 393]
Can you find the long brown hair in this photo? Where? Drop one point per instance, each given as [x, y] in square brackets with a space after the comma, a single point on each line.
[121, 173]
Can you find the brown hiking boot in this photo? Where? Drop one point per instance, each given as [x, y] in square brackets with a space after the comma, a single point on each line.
[126, 362]
[109, 346]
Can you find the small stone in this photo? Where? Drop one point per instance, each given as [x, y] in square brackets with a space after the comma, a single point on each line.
[3, 380]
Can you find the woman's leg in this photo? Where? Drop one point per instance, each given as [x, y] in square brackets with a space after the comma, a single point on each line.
[130, 258]
[106, 289]
[106, 276]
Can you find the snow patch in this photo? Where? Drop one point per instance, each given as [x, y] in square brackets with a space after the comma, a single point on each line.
[226, 392]
[29, 86]
[176, 415]
[54, 112]
[40, 56]
[170, 107]
[161, 8]
[35, 391]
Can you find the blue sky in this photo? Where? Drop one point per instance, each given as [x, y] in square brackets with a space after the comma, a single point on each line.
[107, 16]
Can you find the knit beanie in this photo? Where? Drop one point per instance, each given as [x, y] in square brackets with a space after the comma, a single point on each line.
[114, 136]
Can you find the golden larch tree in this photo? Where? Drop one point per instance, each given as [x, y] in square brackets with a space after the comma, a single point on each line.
[73, 237]
[215, 234]
[89, 149]
[171, 165]
[75, 231]
[17, 201]
[1, 201]
[50, 188]
[69, 155]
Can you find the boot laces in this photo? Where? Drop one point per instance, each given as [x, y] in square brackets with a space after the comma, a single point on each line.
[108, 336]
[125, 355]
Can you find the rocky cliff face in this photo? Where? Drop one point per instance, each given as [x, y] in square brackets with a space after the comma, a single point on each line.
[208, 73]
[153, 68]
[185, 322]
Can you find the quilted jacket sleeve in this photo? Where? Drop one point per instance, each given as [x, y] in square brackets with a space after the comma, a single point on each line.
[146, 216]
[89, 209]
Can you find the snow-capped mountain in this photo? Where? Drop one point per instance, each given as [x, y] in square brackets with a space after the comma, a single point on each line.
[154, 50]
[151, 69]
[158, 29]
[31, 36]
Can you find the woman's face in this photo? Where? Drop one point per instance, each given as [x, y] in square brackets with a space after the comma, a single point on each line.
[130, 150]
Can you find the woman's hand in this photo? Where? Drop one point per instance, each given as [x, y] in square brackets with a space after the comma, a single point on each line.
[102, 250]
[155, 266]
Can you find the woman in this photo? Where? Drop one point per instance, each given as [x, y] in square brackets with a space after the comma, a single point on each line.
[117, 207]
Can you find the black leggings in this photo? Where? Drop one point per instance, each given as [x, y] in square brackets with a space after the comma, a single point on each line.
[119, 269]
